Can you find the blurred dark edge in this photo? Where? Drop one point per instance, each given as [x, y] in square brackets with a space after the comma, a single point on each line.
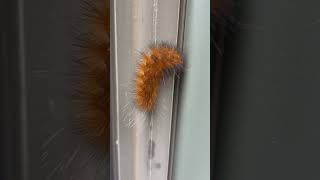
[223, 27]
[11, 164]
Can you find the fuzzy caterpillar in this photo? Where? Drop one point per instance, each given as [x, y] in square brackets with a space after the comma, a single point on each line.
[91, 87]
[158, 61]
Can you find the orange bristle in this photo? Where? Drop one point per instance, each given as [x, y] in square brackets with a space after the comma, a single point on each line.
[92, 86]
[150, 71]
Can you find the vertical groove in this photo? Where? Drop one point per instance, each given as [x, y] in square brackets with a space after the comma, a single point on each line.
[114, 94]
[23, 92]
[155, 19]
[155, 23]
[180, 41]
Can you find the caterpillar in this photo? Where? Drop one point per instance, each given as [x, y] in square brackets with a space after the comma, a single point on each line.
[91, 87]
[157, 62]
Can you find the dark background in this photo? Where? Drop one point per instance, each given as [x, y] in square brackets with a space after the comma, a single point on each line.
[38, 98]
[269, 117]
[269, 104]
[10, 141]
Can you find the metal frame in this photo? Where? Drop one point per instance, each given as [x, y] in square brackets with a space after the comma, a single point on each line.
[135, 24]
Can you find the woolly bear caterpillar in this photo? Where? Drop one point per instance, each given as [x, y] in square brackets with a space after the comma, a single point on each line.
[79, 149]
[155, 65]
[146, 109]
[159, 60]
[91, 83]
[146, 143]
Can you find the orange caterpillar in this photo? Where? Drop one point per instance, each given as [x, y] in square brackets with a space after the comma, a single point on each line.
[154, 64]
[91, 90]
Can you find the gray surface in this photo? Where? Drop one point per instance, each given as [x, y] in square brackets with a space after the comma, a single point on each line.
[134, 30]
[269, 127]
[192, 154]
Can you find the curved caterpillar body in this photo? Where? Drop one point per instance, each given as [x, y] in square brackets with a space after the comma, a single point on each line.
[155, 64]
